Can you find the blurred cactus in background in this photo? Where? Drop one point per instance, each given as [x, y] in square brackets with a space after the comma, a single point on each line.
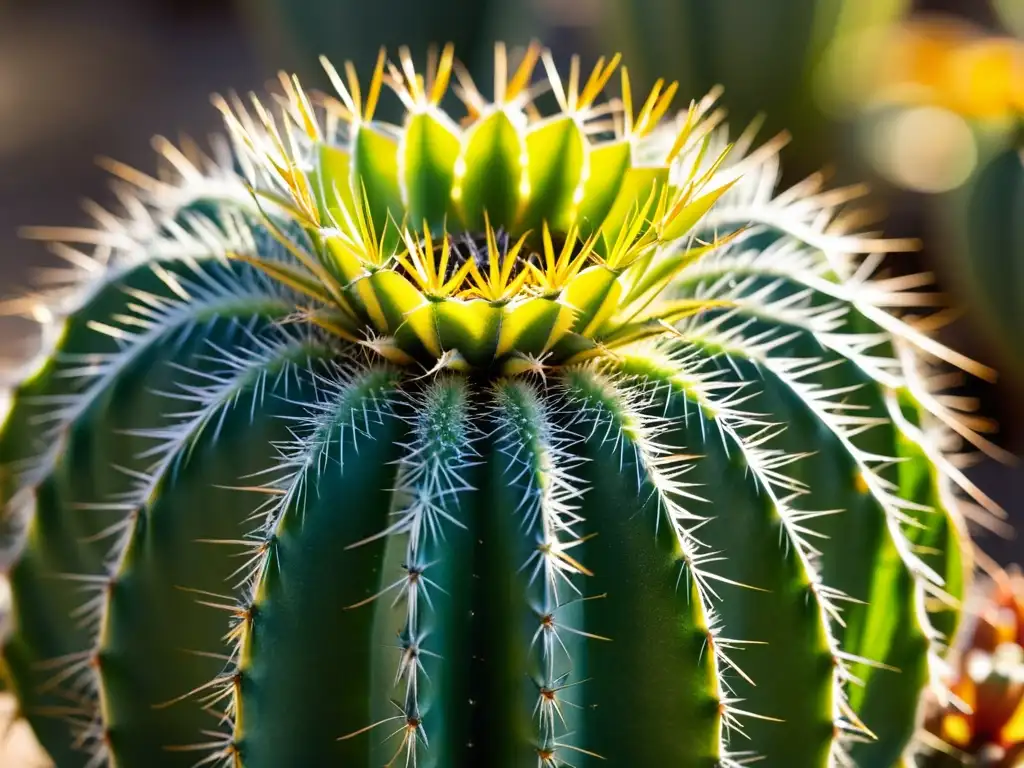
[982, 722]
[300, 31]
[1011, 13]
[769, 55]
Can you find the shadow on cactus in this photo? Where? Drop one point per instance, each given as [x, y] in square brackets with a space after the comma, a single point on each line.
[521, 439]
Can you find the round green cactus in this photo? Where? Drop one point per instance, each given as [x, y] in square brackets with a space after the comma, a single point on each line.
[535, 438]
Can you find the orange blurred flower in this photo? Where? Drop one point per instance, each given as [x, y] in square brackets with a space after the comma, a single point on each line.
[950, 64]
[985, 718]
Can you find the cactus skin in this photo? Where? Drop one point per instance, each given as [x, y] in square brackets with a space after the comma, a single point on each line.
[260, 514]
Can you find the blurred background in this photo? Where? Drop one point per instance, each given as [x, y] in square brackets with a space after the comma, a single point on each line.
[922, 100]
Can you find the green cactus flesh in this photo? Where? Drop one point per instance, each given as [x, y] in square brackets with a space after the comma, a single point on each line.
[530, 441]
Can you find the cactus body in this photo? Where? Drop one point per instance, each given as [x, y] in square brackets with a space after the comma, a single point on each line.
[526, 441]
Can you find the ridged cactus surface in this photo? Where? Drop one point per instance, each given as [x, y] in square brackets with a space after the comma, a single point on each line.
[525, 440]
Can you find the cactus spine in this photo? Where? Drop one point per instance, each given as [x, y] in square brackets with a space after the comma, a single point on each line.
[530, 440]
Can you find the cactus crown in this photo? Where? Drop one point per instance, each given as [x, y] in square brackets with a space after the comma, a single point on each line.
[513, 240]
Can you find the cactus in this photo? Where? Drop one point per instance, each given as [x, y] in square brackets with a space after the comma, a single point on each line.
[982, 722]
[984, 224]
[775, 58]
[529, 439]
